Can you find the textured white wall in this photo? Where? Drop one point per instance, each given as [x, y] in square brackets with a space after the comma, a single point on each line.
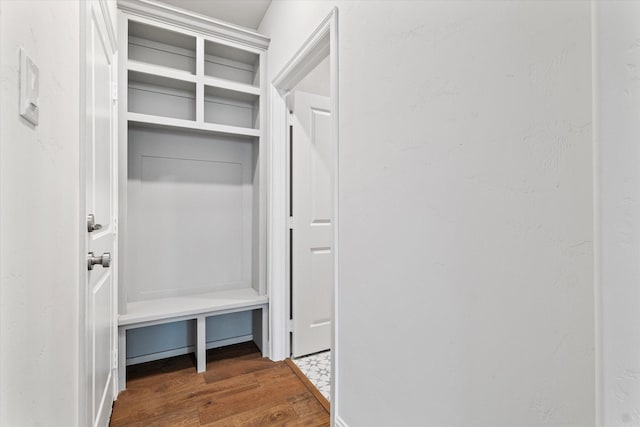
[318, 80]
[466, 263]
[617, 112]
[39, 218]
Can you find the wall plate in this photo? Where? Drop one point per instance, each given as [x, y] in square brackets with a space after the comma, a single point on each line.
[29, 88]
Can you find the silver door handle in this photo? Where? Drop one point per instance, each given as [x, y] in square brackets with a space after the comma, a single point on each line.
[91, 224]
[104, 260]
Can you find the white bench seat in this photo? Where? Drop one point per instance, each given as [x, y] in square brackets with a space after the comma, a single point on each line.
[197, 307]
[165, 310]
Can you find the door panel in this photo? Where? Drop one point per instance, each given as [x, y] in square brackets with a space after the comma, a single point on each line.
[320, 159]
[103, 180]
[312, 208]
[100, 197]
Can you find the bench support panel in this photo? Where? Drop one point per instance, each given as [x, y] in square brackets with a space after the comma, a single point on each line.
[260, 331]
[201, 343]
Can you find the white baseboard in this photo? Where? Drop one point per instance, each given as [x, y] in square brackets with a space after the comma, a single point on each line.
[186, 350]
[340, 422]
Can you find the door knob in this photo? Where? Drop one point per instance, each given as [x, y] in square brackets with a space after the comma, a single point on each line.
[104, 260]
[91, 224]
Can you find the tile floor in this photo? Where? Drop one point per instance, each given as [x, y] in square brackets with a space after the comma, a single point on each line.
[317, 367]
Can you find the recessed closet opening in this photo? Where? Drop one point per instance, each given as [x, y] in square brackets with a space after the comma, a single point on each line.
[192, 193]
[190, 211]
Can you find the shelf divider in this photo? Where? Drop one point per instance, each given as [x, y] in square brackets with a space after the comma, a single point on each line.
[158, 70]
[231, 85]
[199, 80]
[158, 121]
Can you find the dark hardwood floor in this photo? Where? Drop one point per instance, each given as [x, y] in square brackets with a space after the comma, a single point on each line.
[239, 388]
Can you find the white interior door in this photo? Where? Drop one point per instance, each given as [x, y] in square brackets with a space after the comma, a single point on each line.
[100, 197]
[312, 210]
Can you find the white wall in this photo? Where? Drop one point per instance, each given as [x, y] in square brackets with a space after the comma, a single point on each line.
[466, 264]
[617, 112]
[318, 80]
[39, 218]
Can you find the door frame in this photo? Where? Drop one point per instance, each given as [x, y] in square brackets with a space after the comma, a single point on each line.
[84, 417]
[321, 43]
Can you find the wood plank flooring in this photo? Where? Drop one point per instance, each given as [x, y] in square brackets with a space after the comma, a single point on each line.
[239, 388]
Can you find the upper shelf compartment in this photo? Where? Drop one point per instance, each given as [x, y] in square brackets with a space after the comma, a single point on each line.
[228, 63]
[160, 96]
[161, 47]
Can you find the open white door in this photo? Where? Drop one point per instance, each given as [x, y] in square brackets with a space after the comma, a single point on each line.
[312, 209]
[100, 207]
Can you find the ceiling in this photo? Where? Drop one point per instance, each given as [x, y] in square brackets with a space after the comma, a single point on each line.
[247, 13]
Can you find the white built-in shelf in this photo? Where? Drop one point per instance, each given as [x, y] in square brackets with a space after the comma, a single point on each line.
[189, 125]
[231, 108]
[161, 47]
[172, 73]
[157, 310]
[156, 95]
[167, 87]
[192, 103]
[231, 85]
[229, 63]
[159, 70]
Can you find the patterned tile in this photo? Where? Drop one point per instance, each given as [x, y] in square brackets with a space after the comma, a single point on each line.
[317, 367]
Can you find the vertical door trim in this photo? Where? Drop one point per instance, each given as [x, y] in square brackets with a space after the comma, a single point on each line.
[83, 416]
[322, 42]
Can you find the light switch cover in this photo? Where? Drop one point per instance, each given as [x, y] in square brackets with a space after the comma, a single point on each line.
[29, 88]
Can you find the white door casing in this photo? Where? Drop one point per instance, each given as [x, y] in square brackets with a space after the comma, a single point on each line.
[100, 194]
[312, 209]
[321, 42]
